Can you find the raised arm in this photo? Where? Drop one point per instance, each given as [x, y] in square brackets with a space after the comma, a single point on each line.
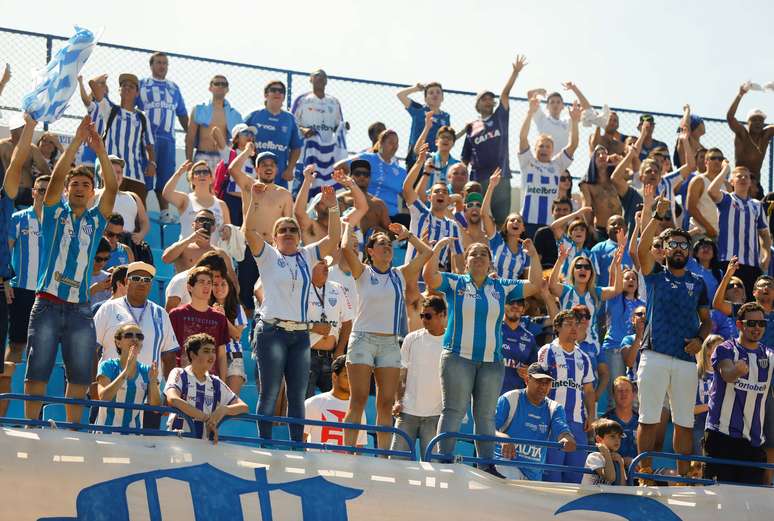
[633, 239]
[559, 224]
[20, 154]
[330, 242]
[695, 190]
[302, 199]
[518, 65]
[618, 177]
[733, 123]
[170, 192]
[616, 274]
[243, 180]
[108, 197]
[356, 266]
[575, 114]
[486, 205]
[412, 269]
[56, 185]
[535, 275]
[554, 285]
[403, 94]
[719, 301]
[430, 273]
[584, 103]
[359, 199]
[85, 96]
[646, 241]
[548, 299]
[425, 131]
[534, 105]
[714, 188]
[190, 136]
[409, 194]
[254, 239]
[142, 220]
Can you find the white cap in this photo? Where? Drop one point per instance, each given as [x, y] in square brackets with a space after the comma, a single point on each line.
[756, 113]
[16, 121]
[241, 127]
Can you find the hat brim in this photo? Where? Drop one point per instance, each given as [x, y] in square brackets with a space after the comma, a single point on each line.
[540, 376]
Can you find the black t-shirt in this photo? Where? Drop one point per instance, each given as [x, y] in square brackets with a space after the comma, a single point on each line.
[545, 244]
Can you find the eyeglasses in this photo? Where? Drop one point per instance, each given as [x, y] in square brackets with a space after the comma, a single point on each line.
[584, 266]
[204, 220]
[112, 235]
[565, 178]
[247, 133]
[583, 316]
[140, 278]
[683, 245]
[202, 172]
[279, 90]
[132, 335]
[361, 173]
[639, 313]
[426, 316]
[657, 246]
[100, 258]
[472, 205]
[754, 323]
[287, 229]
[714, 158]
[219, 84]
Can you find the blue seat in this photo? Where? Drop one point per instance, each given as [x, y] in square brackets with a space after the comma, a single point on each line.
[56, 384]
[154, 216]
[157, 292]
[153, 237]
[170, 233]
[163, 270]
[249, 395]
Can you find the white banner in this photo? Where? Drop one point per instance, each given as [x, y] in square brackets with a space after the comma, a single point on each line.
[64, 476]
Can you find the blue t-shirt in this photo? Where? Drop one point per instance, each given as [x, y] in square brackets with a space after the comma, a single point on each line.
[386, 180]
[602, 258]
[629, 443]
[543, 422]
[417, 113]
[655, 143]
[723, 325]
[486, 145]
[118, 256]
[673, 304]
[134, 391]
[710, 280]
[619, 320]
[278, 134]
[519, 350]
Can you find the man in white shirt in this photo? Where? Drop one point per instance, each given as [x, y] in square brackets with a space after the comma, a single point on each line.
[552, 123]
[418, 404]
[331, 407]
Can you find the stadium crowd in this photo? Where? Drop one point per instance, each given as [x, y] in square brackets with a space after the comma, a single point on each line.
[595, 315]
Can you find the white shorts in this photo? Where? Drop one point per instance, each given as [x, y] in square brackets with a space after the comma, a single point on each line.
[659, 375]
[236, 367]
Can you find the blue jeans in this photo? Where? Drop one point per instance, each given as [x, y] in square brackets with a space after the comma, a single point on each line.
[422, 427]
[70, 324]
[460, 379]
[574, 459]
[281, 353]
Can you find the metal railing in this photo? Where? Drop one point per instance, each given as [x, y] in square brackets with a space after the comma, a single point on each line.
[632, 473]
[364, 101]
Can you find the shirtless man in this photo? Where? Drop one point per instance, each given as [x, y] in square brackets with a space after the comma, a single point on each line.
[457, 176]
[703, 210]
[480, 225]
[749, 143]
[377, 215]
[313, 230]
[201, 134]
[611, 139]
[185, 252]
[35, 158]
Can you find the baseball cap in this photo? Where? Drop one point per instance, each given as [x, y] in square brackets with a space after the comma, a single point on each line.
[514, 300]
[128, 76]
[265, 155]
[646, 117]
[756, 113]
[318, 72]
[536, 371]
[474, 196]
[241, 127]
[484, 93]
[16, 121]
[140, 266]
[359, 163]
[117, 160]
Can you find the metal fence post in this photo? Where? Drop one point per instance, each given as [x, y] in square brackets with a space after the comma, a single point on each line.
[771, 165]
[289, 98]
[49, 50]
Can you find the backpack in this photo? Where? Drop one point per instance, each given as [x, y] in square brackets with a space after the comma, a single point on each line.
[222, 176]
[114, 111]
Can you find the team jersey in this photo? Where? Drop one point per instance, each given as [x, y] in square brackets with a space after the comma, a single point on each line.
[248, 168]
[737, 409]
[672, 316]
[69, 246]
[540, 185]
[571, 371]
[486, 145]
[438, 174]
[328, 408]
[386, 180]
[329, 304]
[126, 139]
[347, 281]
[628, 448]
[437, 227]
[474, 328]
[287, 281]
[703, 389]
[507, 263]
[596, 461]
[277, 133]
[710, 280]
[234, 345]
[152, 319]
[118, 256]
[619, 319]
[570, 297]
[417, 113]
[544, 422]
[519, 350]
[740, 221]
[557, 128]
[205, 395]
[161, 100]
[602, 258]
[381, 301]
[134, 391]
[572, 251]
[27, 255]
[98, 112]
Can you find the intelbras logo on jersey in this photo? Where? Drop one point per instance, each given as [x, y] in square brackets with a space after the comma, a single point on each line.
[270, 145]
[542, 190]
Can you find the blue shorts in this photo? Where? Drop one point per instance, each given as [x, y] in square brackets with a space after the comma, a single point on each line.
[373, 350]
[72, 325]
[164, 150]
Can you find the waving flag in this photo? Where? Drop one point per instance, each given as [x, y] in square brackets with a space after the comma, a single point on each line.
[55, 84]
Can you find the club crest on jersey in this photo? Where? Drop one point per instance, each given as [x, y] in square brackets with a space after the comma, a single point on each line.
[763, 363]
[208, 400]
[282, 263]
[88, 229]
[689, 286]
[332, 301]
[374, 280]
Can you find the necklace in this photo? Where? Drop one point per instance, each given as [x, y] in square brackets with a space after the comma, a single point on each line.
[137, 320]
[293, 272]
[321, 299]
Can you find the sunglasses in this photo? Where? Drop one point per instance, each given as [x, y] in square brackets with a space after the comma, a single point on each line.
[472, 205]
[112, 235]
[132, 335]
[361, 173]
[140, 278]
[565, 178]
[754, 323]
[247, 133]
[639, 314]
[583, 267]
[204, 220]
[219, 84]
[583, 316]
[683, 245]
[734, 286]
[279, 90]
[287, 229]
[100, 258]
[426, 316]
[714, 158]
[202, 172]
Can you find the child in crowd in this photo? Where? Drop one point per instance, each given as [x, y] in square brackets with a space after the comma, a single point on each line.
[607, 464]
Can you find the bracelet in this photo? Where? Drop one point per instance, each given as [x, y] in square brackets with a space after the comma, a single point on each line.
[152, 163]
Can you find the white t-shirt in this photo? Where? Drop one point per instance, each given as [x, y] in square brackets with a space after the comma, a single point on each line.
[594, 461]
[178, 287]
[287, 282]
[381, 301]
[420, 354]
[347, 281]
[558, 129]
[335, 305]
[326, 407]
[153, 321]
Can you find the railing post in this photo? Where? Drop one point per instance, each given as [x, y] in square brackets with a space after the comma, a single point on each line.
[289, 97]
[49, 51]
[771, 165]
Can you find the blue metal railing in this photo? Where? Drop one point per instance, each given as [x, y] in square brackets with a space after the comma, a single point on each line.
[633, 474]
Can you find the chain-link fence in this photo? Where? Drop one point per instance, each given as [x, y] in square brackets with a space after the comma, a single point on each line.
[363, 101]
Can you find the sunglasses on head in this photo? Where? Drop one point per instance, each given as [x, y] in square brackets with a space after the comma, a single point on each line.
[683, 245]
[754, 323]
[140, 278]
[132, 335]
[100, 258]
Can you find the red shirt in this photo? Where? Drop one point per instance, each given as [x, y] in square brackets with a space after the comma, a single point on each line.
[187, 321]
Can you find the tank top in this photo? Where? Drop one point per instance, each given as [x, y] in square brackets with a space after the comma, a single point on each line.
[707, 207]
[189, 214]
[380, 301]
[126, 207]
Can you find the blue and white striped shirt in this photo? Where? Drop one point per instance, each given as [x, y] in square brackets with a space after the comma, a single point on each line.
[126, 139]
[98, 111]
[572, 252]
[740, 220]
[27, 256]
[439, 227]
[69, 246]
[570, 297]
[161, 100]
[571, 371]
[474, 329]
[508, 264]
[235, 345]
[205, 396]
[133, 391]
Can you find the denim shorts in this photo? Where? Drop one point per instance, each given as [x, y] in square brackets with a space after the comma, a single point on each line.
[72, 325]
[236, 367]
[373, 350]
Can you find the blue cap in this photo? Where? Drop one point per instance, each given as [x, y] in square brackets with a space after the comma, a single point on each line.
[695, 121]
[266, 155]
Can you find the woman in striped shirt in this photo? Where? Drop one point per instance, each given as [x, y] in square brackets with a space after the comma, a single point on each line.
[225, 300]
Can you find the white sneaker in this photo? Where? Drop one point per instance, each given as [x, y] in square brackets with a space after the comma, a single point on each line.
[166, 217]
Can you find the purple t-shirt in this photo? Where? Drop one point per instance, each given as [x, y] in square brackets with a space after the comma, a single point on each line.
[486, 145]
